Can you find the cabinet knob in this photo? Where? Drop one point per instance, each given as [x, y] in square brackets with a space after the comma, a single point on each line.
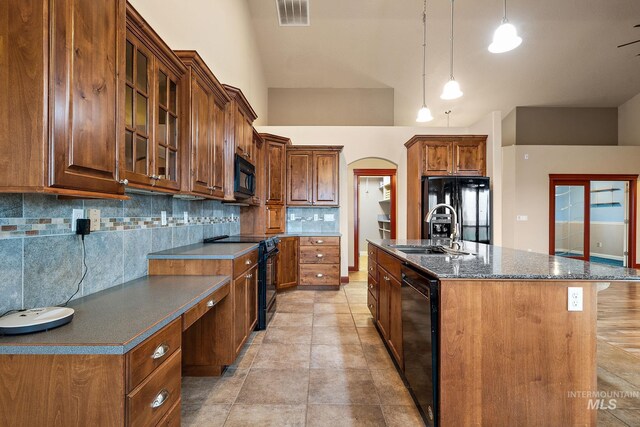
[370, 305]
[248, 276]
[386, 278]
[319, 242]
[370, 286]
[319, 275]
[248, 262]
[124, 181]
[210, 303]
[160, 399]
[160, 351]
[319, 255]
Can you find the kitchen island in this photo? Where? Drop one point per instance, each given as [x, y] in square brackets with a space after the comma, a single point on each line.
[510, 352]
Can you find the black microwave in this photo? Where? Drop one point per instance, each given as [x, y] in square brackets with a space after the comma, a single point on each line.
[245, 178]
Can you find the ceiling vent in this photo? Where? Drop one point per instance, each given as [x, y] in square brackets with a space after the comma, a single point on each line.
[293, 13]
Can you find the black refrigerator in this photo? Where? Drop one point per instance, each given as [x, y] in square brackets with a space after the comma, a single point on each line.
[471, 198]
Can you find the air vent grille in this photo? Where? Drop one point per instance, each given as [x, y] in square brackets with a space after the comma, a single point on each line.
[293, 13]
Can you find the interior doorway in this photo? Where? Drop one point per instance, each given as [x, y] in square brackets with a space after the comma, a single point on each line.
[593, 218]
[374, 210]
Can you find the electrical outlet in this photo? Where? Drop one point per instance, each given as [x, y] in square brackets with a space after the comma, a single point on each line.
[574, 299]
[329, 217]
[315, 217]
[94, 216]
[292, 217]
[522, 218]
[163, 218]
[76, 214]
[186, 217]
[599, 244]
[526, 156]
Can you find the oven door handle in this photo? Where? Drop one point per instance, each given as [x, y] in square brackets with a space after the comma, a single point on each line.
[274, 252]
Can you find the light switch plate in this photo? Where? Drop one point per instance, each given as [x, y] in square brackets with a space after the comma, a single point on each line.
[329, 217]
[574, 302]
[94, 216]
[522, 218]
[163, 218]
[315, 217]
[75, 215]
[292, 217]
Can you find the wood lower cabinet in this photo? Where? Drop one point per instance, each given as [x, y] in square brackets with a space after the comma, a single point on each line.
[150, 147]
[313, 175]
[204, 101]
[389, 303]
[62, 61]
[287, 264]
[320, 261]
[245, 305]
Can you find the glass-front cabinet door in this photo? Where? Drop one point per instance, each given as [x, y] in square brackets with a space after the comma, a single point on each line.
[151, 139]
[570, 225]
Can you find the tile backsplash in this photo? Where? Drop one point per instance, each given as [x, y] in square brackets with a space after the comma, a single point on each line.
[41, 258]
[305, 221]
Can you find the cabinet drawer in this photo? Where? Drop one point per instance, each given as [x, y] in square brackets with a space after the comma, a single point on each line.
[319, 241]
[319, 254]
[372, 303]
[152, 400]
[391, 264]
[172, 419]
[198, 310]
[150, 354]
[244, 262]
[372, 254]
[372, 286]
[319, 274]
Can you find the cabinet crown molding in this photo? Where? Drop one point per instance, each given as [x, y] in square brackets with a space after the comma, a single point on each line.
[192, 59]
[237, 95]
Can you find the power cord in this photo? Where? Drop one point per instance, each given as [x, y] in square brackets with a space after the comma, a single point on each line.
[86, 270]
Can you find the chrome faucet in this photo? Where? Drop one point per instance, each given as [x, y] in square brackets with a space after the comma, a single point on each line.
[455, 241]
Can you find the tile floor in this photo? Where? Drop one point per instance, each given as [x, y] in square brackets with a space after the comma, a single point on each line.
[320, 363]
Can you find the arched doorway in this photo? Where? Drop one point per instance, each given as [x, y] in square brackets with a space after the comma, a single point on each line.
[372, 205]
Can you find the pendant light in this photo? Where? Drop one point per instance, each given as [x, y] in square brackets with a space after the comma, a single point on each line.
[424, 114]
[451, 89]
[505, 38]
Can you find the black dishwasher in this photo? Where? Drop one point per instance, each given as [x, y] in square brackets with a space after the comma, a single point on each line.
[420, 340]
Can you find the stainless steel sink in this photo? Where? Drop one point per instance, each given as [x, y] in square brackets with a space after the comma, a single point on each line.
[428, 250]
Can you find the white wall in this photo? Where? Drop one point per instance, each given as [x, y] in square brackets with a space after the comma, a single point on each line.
[629, 122]
[221, 32]
[360, 142]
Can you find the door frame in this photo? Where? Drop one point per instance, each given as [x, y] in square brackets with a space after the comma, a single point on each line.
[579, 179]
[357, 173]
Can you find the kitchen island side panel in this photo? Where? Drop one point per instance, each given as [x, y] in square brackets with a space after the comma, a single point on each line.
[512, 354]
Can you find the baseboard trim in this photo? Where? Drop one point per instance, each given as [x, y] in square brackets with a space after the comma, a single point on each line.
[352, 268]
[344, 279]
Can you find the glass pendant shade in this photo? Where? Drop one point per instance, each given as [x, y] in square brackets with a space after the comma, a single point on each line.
[424, 115]
[451, 90]
[505, 38]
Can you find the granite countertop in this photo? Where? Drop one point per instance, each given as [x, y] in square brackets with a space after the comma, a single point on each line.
[117, 319]
[318, 234]
[206, 251]
[495, 262]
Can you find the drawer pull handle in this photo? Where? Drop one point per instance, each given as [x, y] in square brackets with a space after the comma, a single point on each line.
[248, 262]
[319, 255]
[319, 275]
[160, 351]
[319, 242]
[248, 276]
[210, 303]
[160, 399]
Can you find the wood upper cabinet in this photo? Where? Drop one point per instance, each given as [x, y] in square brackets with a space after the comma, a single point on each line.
[204, 100]
[460, 155]
[275, 162]
[61, 95]
[299, 177]
[287, 264]
[239, 133]
[313, 175]
[150, 148]
[275, 219]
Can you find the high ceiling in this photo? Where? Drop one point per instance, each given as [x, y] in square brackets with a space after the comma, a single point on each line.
[568, 57]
